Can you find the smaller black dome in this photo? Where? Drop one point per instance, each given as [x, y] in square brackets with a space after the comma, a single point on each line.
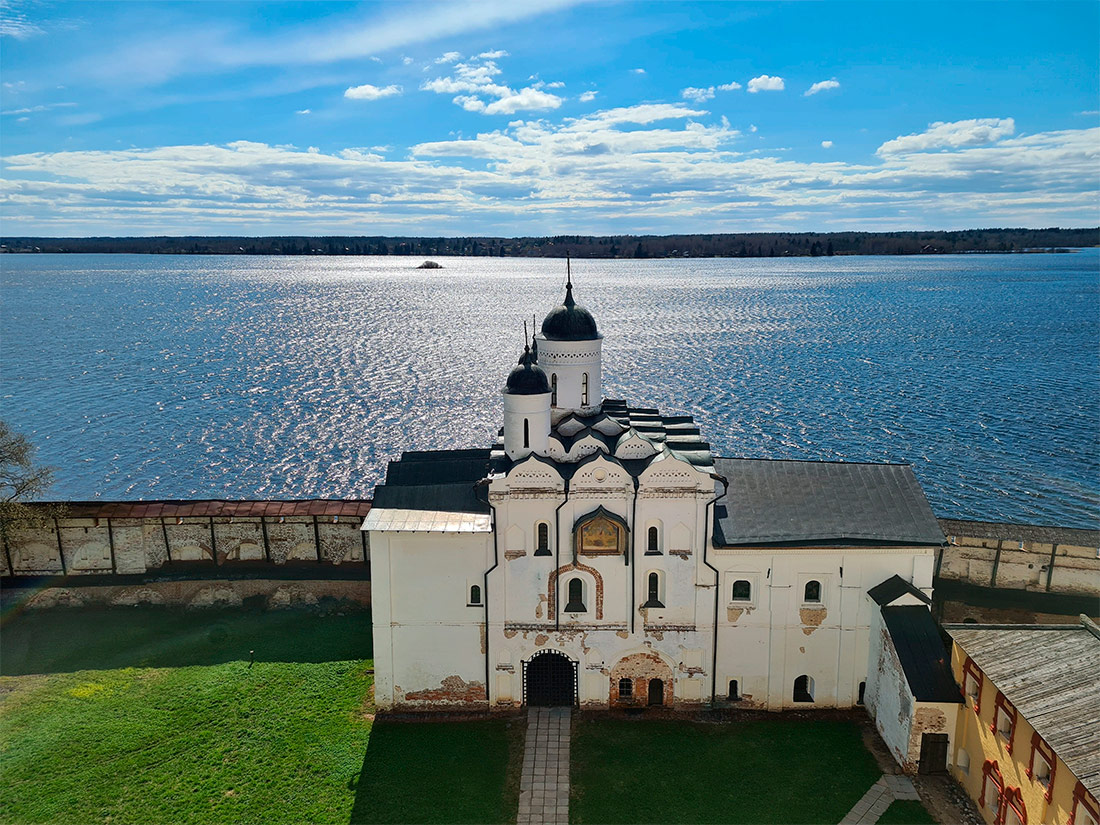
[570, 322]
[527, 378]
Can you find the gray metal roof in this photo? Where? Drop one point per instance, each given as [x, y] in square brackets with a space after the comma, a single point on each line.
[924, 659]
[1051, 675]
[435, 481]
[818, 502]
[894, 587]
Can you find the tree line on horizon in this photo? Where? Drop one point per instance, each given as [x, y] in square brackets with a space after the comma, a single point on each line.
[737, 245]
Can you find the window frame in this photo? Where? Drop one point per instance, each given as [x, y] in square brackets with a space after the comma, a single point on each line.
[1046, 753]
[1002, 706]
[820, 600]
[629, 695]
[569, 602]
[540, 548]
[470, 596]
[972, 671]
[810, 690]
[553, 389]
[733, 592]
[584, 389]
[654, 595]
[1081, 799]
[653, 540]
[989, 767]
[734, 695]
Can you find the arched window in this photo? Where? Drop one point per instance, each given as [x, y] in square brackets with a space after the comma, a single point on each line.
[526, 433]
[862, 693]
[734, 695]
[813, 591]
[542, 539]
[584, 389]
[653, 589]
[804, 689]
[553, 389]
[626, 690]
[656, 692]
[576, 597]
[653, 545]
[742, 591]
[475, 595]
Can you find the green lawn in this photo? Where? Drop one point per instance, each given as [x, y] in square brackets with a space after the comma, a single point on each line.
[139, 715]
[767, 771]
[906, 812]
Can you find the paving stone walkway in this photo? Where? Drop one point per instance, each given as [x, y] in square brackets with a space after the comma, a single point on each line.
[874, 803]
[544, 780]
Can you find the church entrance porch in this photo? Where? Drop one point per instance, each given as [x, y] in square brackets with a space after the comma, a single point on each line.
[549, 680]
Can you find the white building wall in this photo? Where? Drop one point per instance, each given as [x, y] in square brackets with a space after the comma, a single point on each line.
[570, 361]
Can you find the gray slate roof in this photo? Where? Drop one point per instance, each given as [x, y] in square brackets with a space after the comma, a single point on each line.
[1051, 675]
[895, 586]
[818, 502]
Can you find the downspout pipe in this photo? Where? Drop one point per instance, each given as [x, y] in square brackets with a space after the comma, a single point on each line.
[632, 538]
[557, 558]
[707, 534]
[485, 589]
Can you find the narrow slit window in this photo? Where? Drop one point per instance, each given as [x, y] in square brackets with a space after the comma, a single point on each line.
[475, 595]
[526, 433]
[576, 597]
[862, 693]
[584, 389]
[653, 587]
[553, 389]
[542, 539]
[653, 544]
[734, 694]
[742, 590]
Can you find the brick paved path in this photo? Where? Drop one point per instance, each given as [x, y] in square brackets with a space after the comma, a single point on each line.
[875, 802]
[544, 781]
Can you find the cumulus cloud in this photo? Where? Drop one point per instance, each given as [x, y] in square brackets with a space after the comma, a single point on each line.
[449, 57]
[476, 88]
[587, 97]
[732, 86]
[494, 55]
[826, 144]
[941, 135]
[766, 83]
[304, 111]
[661, 165]
[697, 95]
[638, 71]
[369, 92]
[821, 86]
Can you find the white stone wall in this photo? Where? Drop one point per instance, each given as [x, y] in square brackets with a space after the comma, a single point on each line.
[768, 642]
[569, 361]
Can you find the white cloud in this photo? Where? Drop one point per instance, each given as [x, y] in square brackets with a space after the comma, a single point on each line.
[665, 166]
[826, 144]
[942, 135]
[732, 86]
[14, 23]
[42, 107]
[766, 83]
[304, 111]
[495, 55]
[407, 60]
[638, 71]
[587, 97]
[821, 86]
[476, 89]
[752, 127]
[697, 95]
[449, 57]
[369, 92]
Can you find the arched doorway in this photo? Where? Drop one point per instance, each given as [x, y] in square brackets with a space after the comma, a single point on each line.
[656, 692]
[549, 680]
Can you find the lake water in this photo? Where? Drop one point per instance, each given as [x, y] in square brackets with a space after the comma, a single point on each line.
[248, 377]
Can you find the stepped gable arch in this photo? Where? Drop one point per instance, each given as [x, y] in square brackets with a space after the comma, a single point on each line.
[599, 472]
[670, 471]
[536, 472]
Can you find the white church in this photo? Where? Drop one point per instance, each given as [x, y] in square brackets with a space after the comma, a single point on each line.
[600, 555]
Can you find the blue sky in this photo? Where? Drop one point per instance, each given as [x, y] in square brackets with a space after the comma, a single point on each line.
[546, 116]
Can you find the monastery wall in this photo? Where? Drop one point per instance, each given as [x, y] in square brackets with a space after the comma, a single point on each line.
[1021, 557]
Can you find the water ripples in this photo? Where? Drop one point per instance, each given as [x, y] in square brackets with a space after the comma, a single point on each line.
[160, 377]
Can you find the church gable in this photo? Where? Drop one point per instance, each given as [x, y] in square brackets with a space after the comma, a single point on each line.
[534, 473]
[600, 473]
[669, 472]
[632, 445]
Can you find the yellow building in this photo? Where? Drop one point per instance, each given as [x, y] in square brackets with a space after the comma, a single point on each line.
[1027, 741]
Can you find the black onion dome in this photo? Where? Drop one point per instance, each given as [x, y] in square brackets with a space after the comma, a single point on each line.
[570, 322]
[527, 378]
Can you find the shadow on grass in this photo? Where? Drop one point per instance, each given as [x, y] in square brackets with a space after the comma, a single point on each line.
[67, 639]
[440, 772]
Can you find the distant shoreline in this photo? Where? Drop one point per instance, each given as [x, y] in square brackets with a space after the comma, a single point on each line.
[740, 245]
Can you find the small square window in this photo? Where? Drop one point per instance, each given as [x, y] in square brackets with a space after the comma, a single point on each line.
[626, 689]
